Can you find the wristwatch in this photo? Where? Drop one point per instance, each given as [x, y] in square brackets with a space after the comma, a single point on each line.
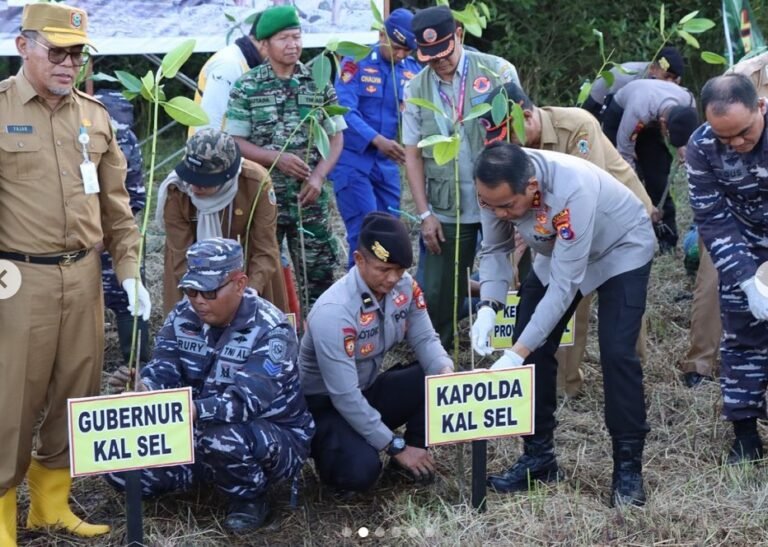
[396, 446]
[495, 306]
[423, 216]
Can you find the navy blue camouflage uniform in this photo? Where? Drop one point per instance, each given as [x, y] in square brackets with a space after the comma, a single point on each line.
[729, 197]
[253, 427]
[121, 113]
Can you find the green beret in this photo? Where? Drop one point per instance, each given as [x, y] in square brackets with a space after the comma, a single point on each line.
[255, 23]
[275, 19]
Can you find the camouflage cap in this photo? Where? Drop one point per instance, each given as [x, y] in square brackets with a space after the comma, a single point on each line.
[60, 25]
[211, 158]
[209, 263]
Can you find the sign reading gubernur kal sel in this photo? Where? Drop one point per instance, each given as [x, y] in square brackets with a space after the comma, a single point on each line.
[133, 430]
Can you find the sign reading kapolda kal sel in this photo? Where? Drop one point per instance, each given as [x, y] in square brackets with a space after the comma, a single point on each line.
[134, 430]
[480, 404]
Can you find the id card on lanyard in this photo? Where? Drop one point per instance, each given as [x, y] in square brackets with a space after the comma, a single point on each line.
[457, 108]
[87, 168]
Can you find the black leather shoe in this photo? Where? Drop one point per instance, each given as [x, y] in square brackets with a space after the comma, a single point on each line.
[538, 463]
[627, 487]
[746, 449]
[692, 379]
[246, 515]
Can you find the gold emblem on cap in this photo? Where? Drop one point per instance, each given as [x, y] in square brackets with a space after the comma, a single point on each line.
[663, 63]
[380, 252]
[430, 35]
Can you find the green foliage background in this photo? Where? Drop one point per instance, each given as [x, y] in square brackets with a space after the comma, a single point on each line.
[551, 42]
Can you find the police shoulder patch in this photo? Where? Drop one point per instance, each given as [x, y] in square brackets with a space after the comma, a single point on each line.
[348, 71]
[583, 146]
[350, 335]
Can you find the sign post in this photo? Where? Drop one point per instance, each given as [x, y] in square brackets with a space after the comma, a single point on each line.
[127, 433]
[479, 405]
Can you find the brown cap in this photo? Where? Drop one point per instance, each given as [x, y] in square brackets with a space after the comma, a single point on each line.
[60, 25]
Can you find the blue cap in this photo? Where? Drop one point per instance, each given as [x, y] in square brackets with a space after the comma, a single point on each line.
[209, 263]
[399, 28]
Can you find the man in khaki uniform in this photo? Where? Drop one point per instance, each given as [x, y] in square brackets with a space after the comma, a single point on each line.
[575, 132]
[211, 194]
[61, 193]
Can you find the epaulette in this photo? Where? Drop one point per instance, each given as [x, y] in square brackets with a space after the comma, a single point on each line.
[5, 85]
[89, 97]
[367, 300]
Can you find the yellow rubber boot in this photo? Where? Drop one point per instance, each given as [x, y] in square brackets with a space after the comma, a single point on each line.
[8, 518]
[49, 502]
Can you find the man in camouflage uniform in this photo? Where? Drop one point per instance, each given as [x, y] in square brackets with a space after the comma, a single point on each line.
[121, 114]
[238, 354]
[266, 111]
[727, 161]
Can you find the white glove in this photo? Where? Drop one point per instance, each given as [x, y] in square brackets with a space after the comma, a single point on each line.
[144, 304]
[510, 359]
[758, 304]
[481, 330]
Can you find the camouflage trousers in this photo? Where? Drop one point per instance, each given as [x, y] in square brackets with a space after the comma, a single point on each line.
[744, 365]
[319, 244]
[241, 460]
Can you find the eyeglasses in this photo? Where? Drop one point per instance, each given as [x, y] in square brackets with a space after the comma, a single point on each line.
[208, 295]
[58, 55]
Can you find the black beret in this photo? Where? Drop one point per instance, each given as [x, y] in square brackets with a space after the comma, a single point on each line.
[386, 238]
[671, 60]
[682, 121]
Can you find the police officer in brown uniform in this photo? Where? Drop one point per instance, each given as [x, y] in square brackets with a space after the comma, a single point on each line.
[61, 193]
[575, 132]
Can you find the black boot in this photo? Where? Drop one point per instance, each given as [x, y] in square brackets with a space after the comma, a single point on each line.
[627, 488]
[125, 334]
[538, 463]
[746, 449]
[246, 515]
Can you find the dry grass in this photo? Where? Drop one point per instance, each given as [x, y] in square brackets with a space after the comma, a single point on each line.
[693, 499]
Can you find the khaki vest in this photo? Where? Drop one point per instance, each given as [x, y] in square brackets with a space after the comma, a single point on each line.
[440, 179]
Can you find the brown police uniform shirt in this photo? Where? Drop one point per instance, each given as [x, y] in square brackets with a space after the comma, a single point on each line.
[575, 132]
[44, 209]
[265, 273]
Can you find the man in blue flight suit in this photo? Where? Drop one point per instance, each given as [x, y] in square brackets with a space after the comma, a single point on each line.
[121, 114]
[727, 161]
[238, 354]
[366, 177]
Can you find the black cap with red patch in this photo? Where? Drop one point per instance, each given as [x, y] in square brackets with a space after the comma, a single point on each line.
[435, 30]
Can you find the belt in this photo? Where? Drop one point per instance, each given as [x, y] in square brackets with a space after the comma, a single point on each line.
[61, 260]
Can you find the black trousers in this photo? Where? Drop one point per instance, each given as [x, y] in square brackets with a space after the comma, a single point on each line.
[343, 458]
[653, 164]
[621, 304]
